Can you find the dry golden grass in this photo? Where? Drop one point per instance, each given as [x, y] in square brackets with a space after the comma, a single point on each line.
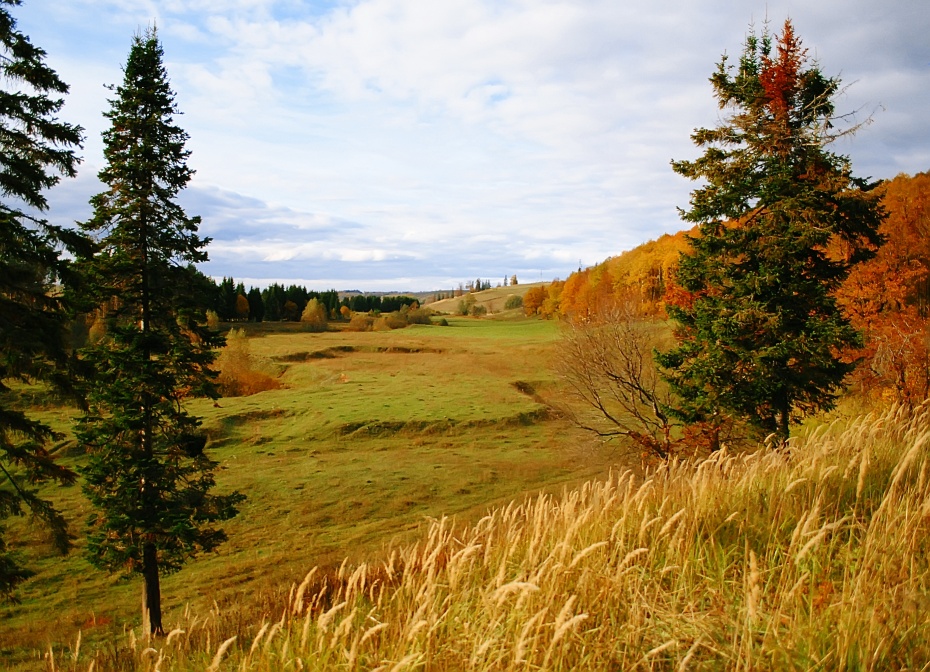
[493, 300]
[812, 559]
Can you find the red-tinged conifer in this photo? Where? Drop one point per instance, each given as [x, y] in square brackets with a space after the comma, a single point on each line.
[761, 334]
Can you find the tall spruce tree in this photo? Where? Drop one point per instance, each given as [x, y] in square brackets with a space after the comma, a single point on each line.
[147, 475]
[36, 149]
[781, 222]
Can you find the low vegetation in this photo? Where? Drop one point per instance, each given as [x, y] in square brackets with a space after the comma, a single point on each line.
[812, 557]
[240, 373]
[365, 436]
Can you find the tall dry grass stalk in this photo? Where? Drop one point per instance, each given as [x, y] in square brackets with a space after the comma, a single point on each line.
[816, 558]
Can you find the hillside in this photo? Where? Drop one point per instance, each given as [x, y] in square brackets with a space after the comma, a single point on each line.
[494, 300]
[815, 559]
[369, 435]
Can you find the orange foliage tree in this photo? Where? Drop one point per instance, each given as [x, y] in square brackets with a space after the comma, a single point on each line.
[533, 299]
[242, 307]
[888, 298]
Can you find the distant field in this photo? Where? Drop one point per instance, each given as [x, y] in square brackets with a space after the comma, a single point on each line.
[372, 435]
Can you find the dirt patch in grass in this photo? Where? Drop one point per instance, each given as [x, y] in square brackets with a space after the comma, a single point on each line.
[340, 350]
[376, 428]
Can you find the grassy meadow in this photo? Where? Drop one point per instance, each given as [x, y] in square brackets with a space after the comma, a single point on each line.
[815, 559]
[372, 435]
[415, 505]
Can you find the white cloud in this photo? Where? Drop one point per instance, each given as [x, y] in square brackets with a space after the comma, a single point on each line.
[377, 140]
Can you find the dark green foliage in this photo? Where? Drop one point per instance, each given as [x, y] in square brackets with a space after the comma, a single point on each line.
[513, 301]
[367, 303]
[226, 300]
[147, 475]
[256, 305]
[782, 220]
[418, 315]
[36, 149]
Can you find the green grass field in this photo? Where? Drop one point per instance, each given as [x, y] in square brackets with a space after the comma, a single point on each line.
[372, 435]
[812, 558]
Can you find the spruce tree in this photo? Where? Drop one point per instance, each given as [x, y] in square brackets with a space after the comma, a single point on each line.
[148, 476]
[36, 149]
[256, 305]
[781, 222]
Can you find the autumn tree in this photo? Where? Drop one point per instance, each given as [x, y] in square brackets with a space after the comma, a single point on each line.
[551, 306]
[533, 299]
[589, 294]
[759, 333]
[242, 307]
[290, 311]
[36, 149]
[886, 297]
[241, 373]
[148, 477]
[314, 315]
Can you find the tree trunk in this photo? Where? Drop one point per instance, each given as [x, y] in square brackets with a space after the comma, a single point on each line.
[784, 420]
[151, 593]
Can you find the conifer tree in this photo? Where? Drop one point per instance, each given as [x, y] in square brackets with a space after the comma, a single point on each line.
[36, 149]
[781, 222]
[256, 305]
[148, 476]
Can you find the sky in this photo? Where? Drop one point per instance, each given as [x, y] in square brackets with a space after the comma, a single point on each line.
[391, 145]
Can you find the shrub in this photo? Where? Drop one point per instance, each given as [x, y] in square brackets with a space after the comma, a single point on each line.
[390, 321]
[314, 315]
[466, 304]
[360, 322]
[419, 316]
[239, 373]
[513, 301]
[478, 311]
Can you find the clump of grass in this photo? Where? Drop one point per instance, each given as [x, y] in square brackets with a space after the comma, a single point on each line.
[361, 322]
[812, 558]
[389, 321]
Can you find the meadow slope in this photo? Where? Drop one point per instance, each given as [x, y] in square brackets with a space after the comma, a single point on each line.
[815, 558]
[370, 436]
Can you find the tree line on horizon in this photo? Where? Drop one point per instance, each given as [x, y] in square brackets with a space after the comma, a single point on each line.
[233, 303]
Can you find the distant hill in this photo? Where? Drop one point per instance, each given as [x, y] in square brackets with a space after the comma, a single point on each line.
[494, 300]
